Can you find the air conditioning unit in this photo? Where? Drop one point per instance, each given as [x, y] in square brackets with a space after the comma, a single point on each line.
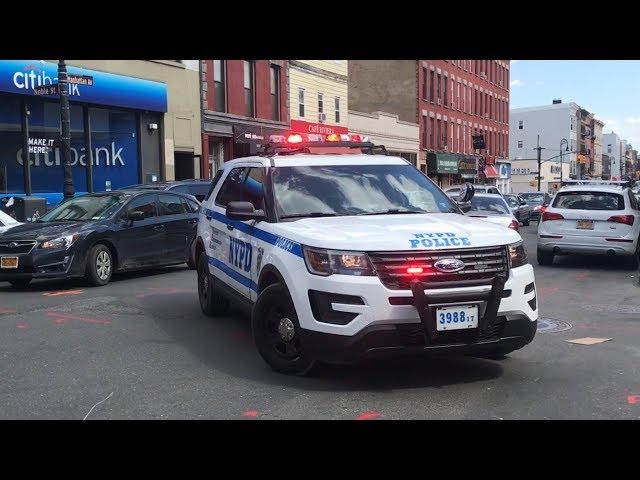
[486, 115]
[483, 75]
[439, 102]
[500, 83]
[322, 117]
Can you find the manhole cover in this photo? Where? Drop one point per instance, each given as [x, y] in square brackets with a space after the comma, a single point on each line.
[552, 325]
[623, 309]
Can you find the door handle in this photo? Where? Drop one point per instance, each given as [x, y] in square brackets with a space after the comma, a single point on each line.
[229, 227]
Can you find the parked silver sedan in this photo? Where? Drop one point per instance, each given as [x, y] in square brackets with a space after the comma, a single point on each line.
[520, 209]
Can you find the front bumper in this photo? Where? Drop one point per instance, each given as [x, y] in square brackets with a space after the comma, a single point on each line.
[42, 264]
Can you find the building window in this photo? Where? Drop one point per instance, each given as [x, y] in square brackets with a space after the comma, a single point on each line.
[519, 143]
[337, 109]
[438, 85]
[444, 101]
[219, 93]
[431, 80]
[249, 109]
[520, 124]
[301, 102]
[275, 92]
[424, 83]
[432, 126]
[424, 131]
[572, 122]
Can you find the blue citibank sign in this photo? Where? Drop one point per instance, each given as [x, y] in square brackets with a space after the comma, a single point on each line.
[22, 76]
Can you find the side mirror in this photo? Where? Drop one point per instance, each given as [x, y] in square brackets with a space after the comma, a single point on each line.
[244, 211]
[466, 193]
[135, 216]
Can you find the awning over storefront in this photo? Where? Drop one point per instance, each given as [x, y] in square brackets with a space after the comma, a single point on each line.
[491, 172]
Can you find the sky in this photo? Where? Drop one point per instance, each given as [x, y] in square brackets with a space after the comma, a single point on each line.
[610, 89]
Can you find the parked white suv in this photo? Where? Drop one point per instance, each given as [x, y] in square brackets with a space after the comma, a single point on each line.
[345, 257]
[591, 217]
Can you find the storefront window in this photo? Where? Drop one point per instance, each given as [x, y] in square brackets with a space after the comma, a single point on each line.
[10, 142]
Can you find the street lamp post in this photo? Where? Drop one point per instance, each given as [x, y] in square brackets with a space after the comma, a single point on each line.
[65, 122]
[563, 141]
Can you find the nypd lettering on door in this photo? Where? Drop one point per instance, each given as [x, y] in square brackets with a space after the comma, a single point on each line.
[240, 254]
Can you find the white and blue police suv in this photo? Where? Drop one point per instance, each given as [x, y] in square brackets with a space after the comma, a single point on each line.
[345, 253]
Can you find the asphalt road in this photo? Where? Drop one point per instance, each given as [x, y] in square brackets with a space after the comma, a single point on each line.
[140, 348]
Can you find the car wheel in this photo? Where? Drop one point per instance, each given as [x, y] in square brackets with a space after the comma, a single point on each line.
[22, 283]
[99, 266]
[545, 258]
[276, 332]
[191, 263]
[212, 303]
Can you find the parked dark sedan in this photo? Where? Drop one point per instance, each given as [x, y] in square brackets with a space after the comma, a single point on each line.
[95, 235]
[195, 187]
[538, 201]
[520, 209]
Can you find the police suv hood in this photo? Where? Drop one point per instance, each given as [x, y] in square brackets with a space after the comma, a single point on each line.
[396, 232]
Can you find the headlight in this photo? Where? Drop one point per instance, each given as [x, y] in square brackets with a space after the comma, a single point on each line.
[60, 242]
[517, 255]
[327, 262]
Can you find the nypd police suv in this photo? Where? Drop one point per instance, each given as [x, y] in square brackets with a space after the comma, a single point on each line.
[345, 253]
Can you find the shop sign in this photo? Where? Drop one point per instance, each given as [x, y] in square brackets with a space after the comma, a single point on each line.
[91, 86]
[41, 145]
[467, 166]
[257, 135]
[446, 163]
[300, 126]
[505, 170]
[47, 90]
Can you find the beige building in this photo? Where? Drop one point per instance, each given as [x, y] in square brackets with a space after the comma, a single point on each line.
[181, 145]
[399, 137]
[523, 176]
[318, 92]
[597, 148]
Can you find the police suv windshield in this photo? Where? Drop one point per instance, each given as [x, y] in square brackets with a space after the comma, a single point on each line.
[339, 190]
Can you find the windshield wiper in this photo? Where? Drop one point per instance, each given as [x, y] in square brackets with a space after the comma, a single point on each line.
[310, 214]
[393, 211]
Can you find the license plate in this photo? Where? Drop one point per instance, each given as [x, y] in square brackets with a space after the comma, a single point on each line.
[9, 262]
[456, 317]
[585, 224]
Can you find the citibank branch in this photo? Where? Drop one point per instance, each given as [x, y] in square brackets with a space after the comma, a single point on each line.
[123, 117]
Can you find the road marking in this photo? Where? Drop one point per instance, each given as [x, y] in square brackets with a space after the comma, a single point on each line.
[103, 400]
[161, 291]
[250, 414]
[588, 340]
[368, 416]
[546, 290]
[6, 310]
[633, 399]
[61, 293]
[61, 318]
[582, 276]
[22, 326]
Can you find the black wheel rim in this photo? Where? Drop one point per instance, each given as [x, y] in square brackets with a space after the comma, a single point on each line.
[288, 350]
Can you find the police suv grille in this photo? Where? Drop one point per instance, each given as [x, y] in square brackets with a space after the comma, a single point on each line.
[16, 246]
[480, 264]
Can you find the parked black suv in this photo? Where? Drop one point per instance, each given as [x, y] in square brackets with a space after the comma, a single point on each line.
[196, 187]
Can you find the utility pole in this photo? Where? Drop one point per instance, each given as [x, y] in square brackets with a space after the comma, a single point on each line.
[26, 165]
[65, 122]
[539, 149]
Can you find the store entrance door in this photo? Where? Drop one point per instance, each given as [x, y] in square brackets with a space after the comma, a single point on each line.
[185, 169]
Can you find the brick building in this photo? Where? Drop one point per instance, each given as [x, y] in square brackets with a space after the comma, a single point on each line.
[451, 100]
[243, 103]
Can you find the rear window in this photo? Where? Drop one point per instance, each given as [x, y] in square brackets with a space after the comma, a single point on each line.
[589, 201]
[489, 206]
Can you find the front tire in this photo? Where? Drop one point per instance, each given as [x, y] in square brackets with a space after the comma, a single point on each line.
[99, 266]
[212, 304]
[276, 332]
[545, 258]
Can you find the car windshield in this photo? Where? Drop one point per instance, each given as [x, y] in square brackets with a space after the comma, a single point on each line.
[337, 190]
[489, 206]
[589, 201]
[533, 197]
[85, 208]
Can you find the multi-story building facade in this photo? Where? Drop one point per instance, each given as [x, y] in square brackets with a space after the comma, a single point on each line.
[243, 103]
[318, 96]
[549, 125]
[140, 119]
[597, 126]
[613, 148]
[450, 100]
[585, 143]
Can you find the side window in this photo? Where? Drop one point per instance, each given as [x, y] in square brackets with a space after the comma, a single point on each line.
[170, 204]
[255, 187]
[181, 189]
[199, 191]
[190, 207]
[632, 201]
[145, 204]
[233, 187]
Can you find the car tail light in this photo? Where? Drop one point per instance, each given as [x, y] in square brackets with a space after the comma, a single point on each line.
[514, 225]
[626, 219]
[548, 216]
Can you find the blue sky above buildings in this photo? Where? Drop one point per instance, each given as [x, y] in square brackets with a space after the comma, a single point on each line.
[608, 88]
